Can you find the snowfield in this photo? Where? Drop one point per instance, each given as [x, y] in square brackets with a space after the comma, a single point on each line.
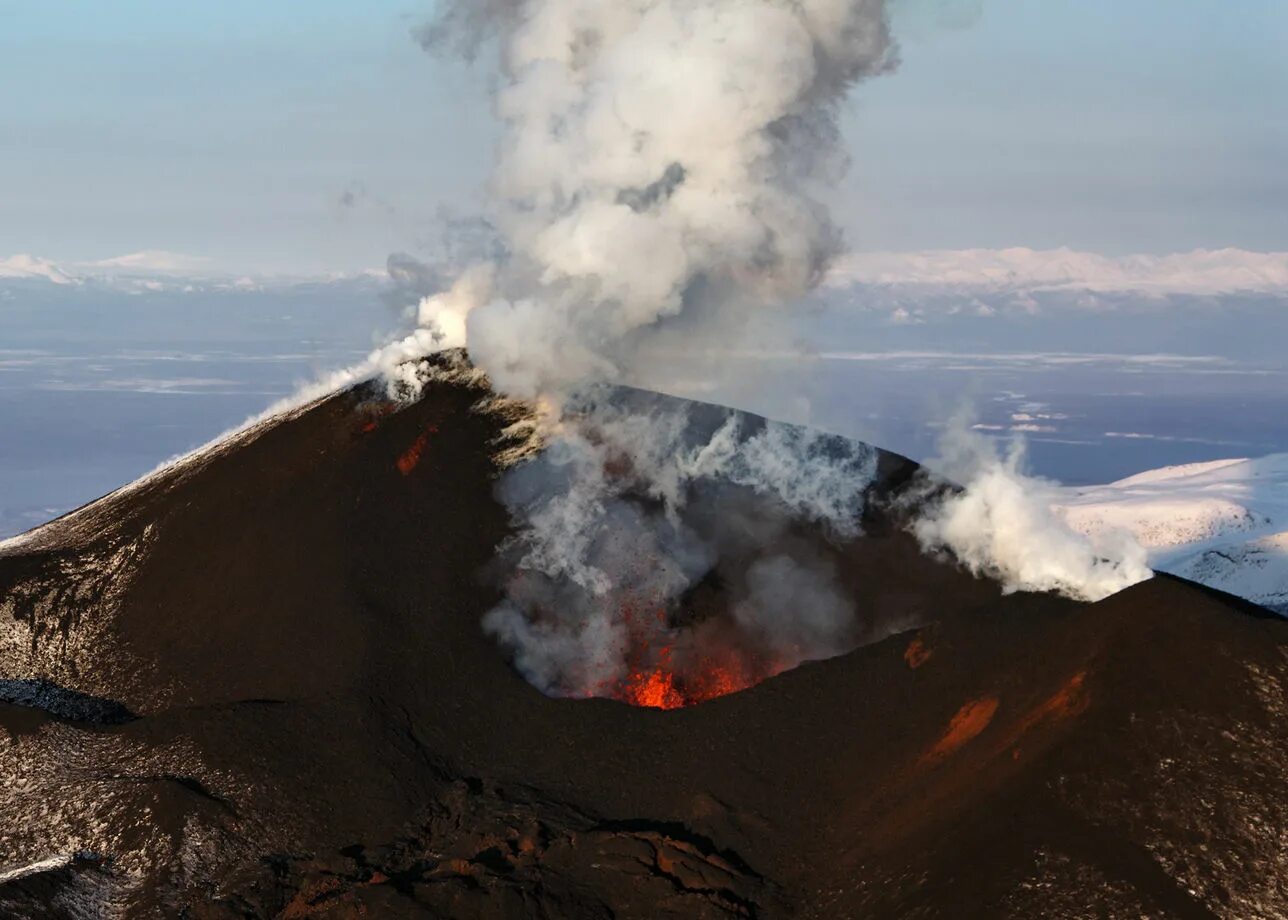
[1223, 523]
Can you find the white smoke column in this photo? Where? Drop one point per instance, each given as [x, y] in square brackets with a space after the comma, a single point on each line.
[659, 156]
[1003, 524]
[662, 171]
[662, 161]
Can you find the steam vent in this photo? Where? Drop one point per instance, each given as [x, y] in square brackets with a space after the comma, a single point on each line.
[259, 684]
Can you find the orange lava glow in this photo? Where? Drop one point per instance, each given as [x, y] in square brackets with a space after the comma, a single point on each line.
[370, 415]
[664, 687]
[666, 670]
[655, 691]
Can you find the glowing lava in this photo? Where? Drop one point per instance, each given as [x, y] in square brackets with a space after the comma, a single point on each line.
[655, 691]
[671, 669]
[665, 688]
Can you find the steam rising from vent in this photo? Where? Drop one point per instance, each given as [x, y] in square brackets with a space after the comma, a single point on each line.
[638, 503]
[660, 159]
[662, 171]
[1003, 524]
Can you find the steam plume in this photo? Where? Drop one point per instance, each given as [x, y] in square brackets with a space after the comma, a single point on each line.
[632, 507]
[662, 170]
[658, 157]
[1002, 524]
[662, 161]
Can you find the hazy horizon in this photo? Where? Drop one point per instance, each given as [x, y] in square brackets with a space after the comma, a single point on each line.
[177, 162]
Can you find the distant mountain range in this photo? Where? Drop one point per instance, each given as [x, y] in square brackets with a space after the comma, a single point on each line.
[158, 271]
[1201, 272]
[1197, 273]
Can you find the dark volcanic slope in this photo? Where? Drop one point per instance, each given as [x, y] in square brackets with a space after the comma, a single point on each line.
[256, 686]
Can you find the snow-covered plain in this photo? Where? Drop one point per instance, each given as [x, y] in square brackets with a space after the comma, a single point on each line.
[1222, 523]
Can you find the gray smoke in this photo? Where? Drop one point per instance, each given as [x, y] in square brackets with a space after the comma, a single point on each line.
[630, 508]
[796, 608]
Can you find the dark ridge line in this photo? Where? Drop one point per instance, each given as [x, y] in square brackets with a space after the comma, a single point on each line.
[73, 706]
[64, 703]
[1243, 605]
[191, 783]
[219, 706]
[266, 701]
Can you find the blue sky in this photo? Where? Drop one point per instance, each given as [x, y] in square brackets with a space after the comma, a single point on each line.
[231, 130]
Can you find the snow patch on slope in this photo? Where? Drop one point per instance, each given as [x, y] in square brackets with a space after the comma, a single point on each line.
[1223, 524]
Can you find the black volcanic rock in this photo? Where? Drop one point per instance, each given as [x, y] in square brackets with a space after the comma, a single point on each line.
[298, 715]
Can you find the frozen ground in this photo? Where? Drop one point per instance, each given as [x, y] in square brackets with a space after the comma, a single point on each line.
[1223, 523]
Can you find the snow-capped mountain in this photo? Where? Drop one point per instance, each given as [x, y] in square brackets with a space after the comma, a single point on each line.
[25, 267]
[156, 271]
[1222, 523]
[925, 277]
[1201, 272]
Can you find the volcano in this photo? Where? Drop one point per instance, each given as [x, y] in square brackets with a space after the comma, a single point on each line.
[255, 685]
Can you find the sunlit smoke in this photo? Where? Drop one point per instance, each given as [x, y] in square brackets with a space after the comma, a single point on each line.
[658, 158]
[1003, 524]
[661, 161]
[663, 172]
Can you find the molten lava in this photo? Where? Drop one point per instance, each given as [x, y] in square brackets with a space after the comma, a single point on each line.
[665, 687]
[655, 691]
[670, 669]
